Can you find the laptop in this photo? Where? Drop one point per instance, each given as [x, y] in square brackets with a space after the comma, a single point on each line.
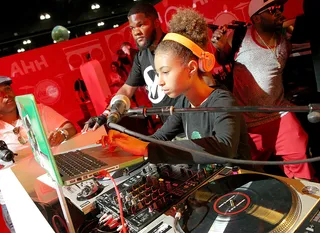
[72, 166]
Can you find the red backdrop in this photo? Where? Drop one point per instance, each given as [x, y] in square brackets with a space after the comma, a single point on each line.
[50, 72]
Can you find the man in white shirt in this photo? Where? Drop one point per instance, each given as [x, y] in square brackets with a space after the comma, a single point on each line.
[12, 131]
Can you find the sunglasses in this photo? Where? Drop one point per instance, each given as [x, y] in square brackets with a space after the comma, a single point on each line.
[273, 9]
[16, 131]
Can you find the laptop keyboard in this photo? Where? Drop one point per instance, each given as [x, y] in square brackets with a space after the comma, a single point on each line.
[74, 163]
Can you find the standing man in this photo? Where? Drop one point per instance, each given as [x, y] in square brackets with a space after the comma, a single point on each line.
[257, 74]
[147, 33]
[126, 47]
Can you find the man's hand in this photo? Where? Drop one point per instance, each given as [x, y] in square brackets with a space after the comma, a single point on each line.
[94, 122]
[127, 143]
[56, 138]
[219, 37]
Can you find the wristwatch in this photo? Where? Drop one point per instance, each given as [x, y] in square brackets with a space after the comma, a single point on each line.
[65, 133]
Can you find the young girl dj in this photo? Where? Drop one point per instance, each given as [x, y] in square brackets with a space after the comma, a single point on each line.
[181, 62]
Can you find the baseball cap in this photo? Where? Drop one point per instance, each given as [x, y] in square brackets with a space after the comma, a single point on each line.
[5, 80]
[256, 5]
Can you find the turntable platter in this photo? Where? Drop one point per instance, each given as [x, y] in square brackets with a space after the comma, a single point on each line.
[241, 203]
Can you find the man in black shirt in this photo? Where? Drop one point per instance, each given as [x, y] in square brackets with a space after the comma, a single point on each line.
[147, 32]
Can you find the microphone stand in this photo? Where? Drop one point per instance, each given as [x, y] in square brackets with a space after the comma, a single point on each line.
[312, 109]
[313, 117]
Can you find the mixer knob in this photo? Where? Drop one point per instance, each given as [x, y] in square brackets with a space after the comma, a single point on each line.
[135, 186]
[135, 193]
[161, 192]
[148, 180]
[148, 200]
[168, 186]
[148, 186]
[160, 203]
[154, 195]
[154, 189]
[155, 182]
[133, 202]
[236, 170]
[148, 192]
[142, 188]
[140, 205]
[142, 195]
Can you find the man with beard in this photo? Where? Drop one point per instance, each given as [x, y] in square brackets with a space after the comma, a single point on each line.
[257, 74]
[146, 30]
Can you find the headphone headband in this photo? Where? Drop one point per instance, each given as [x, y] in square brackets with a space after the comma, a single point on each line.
[206, 59]
[196, 50]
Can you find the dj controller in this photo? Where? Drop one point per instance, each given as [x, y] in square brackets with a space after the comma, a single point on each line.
[179, 198]
[147, 195]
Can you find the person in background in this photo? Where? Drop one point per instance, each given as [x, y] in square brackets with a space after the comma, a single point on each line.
[117, 77]
[178, 68]
[81, 91]
[147, 33]
[257, 75]
[124, 62]
[126, 47]
[12, 131]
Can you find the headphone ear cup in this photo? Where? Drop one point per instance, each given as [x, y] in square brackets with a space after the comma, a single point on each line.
[207, 62]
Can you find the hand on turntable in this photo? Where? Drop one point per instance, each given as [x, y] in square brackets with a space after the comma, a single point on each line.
[128, 143]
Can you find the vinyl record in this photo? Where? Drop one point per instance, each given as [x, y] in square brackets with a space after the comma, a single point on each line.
[248, 203]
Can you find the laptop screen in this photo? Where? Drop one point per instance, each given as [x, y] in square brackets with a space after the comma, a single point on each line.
[29, 114]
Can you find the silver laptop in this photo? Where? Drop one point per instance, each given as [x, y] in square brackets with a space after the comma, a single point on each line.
[72, 166]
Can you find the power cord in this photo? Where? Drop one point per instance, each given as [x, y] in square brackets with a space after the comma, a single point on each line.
[60, 226]
[122, 229]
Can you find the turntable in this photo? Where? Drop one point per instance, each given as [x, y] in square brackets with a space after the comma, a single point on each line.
[247, 202]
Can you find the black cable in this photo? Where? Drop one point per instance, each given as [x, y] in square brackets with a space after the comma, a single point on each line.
[207, 157]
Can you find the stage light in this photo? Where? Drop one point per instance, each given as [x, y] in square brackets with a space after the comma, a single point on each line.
[100, 24]
[95, 6]
[87, 33]
[26, 42]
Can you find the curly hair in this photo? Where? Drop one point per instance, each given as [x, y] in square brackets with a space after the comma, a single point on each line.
[191, 24]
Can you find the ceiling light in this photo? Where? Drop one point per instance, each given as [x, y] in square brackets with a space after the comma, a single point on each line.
[27, 41]
[21, 50]
[45, 16]
[116, 25]
[100, 24]
[95, 6]
[87, 33]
